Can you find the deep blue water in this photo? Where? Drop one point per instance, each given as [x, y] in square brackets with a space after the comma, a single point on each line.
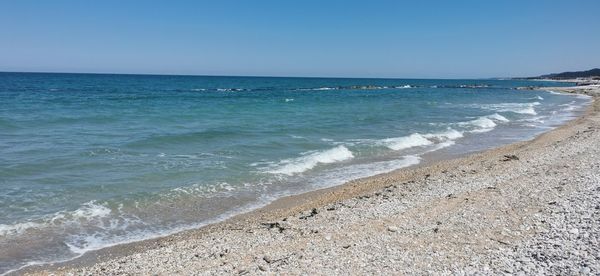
[88, 160]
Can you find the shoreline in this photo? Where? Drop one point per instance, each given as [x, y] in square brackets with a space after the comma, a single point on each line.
[293, 217]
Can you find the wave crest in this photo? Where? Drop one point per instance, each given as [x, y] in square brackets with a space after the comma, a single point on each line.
[520, 108]
[484, 123]
[421, 140]
[405, 142]
[450, 134]
[311, 160]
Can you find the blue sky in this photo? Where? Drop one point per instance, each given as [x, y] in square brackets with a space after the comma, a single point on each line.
[405, 39]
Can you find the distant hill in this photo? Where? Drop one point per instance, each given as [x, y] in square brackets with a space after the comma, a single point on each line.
[572, 75]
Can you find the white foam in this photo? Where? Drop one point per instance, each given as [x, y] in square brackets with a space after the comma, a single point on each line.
[484, 123]
[498, 117]
[316, 89]
[528, 110]
[450, 134]
[320, 88]
[91, 243]
[230, 89]
[520, 108]
[438, 139]
[405, 142]
[569, 106]
[482, 130]
[89, 211]
[441, 146]
[18, 228]
[342, 175]
[289, 100]
[311, 160]
[201, 189]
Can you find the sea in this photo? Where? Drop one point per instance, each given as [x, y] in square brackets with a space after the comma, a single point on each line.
[89, 161]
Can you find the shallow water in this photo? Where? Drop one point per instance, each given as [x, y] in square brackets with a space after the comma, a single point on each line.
[87, 161]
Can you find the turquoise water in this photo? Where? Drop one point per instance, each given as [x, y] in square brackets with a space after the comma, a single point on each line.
[88, 161]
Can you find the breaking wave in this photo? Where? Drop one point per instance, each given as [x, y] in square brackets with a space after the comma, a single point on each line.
[445, 138]
[400, 143]
[484, 123]
[311, 160]
[437, 140]
[450, 134]
[520, 108]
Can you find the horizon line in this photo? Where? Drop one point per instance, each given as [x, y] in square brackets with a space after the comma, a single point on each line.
[248, 76]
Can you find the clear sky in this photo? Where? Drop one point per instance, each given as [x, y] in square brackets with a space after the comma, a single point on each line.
[410, 39]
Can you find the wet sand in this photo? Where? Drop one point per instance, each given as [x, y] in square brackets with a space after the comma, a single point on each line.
[529, 207]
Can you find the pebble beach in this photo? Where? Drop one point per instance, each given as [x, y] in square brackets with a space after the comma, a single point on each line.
[527, 208]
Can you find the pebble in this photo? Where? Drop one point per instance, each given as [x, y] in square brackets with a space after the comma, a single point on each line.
[574, 231]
